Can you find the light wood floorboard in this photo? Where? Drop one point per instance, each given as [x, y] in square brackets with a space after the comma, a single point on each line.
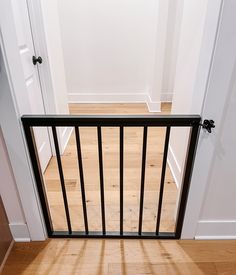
[126, 257]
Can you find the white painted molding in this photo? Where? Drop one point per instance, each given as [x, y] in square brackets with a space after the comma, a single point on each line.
[220, 22]
[20, 232]
[95, 97]
[153, 106]
[233, 237]
[216, 230]
[174, 167]
[23, 240]
[166, 97]
[112, 97]
[12, 73]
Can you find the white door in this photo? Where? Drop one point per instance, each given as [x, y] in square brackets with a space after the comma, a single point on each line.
[26, 50]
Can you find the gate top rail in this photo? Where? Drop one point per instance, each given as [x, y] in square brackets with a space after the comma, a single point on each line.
[111, 120]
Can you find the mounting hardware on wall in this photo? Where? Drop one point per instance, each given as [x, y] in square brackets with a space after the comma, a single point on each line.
[36, 60]
[208, 125]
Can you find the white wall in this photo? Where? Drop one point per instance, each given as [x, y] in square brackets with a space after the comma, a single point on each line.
[208, 75]
[108, 48]
[217, 218]
[192, 27]
[159, 58]
[115, 51]
[218, 215]
[197, 37]
[171, 48]
[130, 59]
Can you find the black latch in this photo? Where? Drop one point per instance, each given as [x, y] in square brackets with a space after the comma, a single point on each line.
[208, 125]
[36, 60]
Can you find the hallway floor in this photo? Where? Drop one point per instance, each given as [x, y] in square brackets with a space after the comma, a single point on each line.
[126, 257]
[132, 175]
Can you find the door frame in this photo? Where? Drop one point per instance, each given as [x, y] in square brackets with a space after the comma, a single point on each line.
[13, 132]
[217, 90]
[32, 209]
[39, 36]
[27, 188]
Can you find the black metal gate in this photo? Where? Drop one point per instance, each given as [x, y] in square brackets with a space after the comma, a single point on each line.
[53, 121]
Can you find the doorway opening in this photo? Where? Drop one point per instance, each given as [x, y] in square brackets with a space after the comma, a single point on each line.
[132, 71]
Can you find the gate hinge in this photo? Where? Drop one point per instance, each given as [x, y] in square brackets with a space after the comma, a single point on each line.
[208, 124]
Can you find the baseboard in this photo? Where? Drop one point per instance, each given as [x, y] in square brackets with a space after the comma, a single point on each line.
[137, 97]
[216, 230]
[6, 256]
[166, 97]
[65, 135]
[19, 232]
[116, 97]
[153, 106]
[174, 167]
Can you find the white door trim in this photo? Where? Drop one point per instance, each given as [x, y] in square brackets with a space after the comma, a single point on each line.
[12, 127]
[201, 169]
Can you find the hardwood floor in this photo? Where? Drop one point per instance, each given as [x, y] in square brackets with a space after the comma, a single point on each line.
[112, 256]
[132, 175]
[126, 257]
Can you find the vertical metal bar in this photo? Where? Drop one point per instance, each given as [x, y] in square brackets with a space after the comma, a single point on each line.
[59, 164]
[80, 162]
[142, 180]
[163, 172]
[99, 134]
[29, 134]
[192, 146]
[121, 177]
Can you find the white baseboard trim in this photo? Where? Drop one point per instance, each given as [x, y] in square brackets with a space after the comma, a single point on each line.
[138, 97]
[166, 97]
[65, 135]
[153, 106]
[6, 256]
[216, 230]
[233, 237]
[20, 232]
[22, 240]
[107, 97]
[174, 167]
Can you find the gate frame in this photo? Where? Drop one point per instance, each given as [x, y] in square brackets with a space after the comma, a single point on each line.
[192, 121]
